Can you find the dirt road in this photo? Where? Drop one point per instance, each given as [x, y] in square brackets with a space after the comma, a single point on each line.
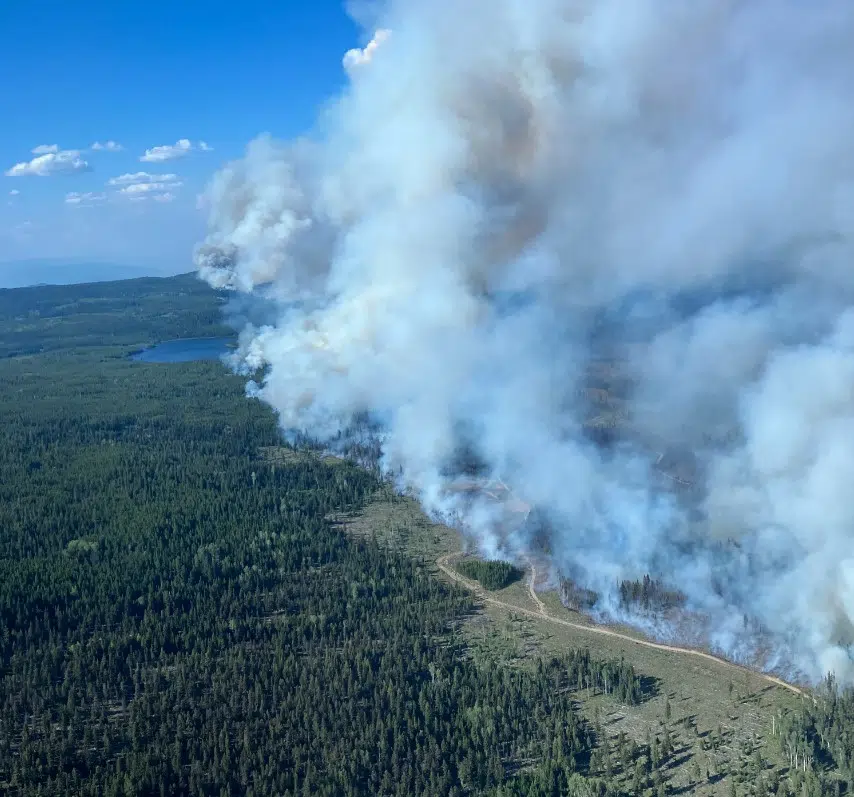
[541, 607]
[542, 614]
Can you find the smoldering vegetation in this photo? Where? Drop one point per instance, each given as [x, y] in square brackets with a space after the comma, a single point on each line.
[605, 248]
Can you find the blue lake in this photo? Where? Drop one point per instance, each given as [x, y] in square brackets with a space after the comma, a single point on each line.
[185, 350]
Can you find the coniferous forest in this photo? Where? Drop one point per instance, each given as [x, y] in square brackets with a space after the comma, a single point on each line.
[178, 616]
[491, 574]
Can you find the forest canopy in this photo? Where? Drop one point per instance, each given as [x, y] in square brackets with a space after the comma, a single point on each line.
[491, 574]
[179, 615]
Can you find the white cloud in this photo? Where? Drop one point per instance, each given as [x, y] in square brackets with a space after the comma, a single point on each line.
[159, 196]
[14, 192]
[163, 197]
[139, 186]
[108, 146]
[357, 57]
[65, 161]
[44, 149]
[169, 152]
[150, 188]
[76, 198]
[141, 177]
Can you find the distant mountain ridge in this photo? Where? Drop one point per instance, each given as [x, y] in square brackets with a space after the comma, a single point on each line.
[130, 313]
[70, 271]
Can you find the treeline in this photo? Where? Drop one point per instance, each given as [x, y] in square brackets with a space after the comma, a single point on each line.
[576, 597]
[818, 742]
[649, 595]
[490, 574]
[578, 670]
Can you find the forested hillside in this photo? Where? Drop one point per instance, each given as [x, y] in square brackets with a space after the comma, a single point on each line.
[179, 616]
[58, 317]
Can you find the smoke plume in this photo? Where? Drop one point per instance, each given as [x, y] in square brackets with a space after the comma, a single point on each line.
[599, 250]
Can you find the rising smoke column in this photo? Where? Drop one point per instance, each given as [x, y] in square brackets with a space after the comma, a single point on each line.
[508, 194]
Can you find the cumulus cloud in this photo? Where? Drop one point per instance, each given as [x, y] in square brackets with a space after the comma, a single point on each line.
[85, 198]
[44, 149]
[357, 57]
[174, 151]
[14, 192]
[601, 250]
[52, 162]
[167, 152]
[141, 177]
[141, 186]
[107, 146]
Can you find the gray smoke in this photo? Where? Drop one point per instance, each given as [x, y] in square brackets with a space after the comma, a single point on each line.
[604, 250]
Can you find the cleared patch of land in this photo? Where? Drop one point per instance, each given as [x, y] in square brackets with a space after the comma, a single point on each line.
[718, 715]
[285, 455]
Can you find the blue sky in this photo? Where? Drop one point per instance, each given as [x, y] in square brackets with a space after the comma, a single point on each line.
[146, 75]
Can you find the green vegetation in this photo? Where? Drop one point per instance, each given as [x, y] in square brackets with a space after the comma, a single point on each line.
[649, 595]
[817, 743]
[719, 728]
[179, 616]
[148, 310]
[576, 597]
[187, 607]
[490, 574]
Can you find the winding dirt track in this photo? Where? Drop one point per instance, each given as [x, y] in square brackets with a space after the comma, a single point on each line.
[542, 614]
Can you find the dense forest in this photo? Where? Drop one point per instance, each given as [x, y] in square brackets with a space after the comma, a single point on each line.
[178, 615]
[56, 318]
[820, 738]
[491, 574]
[649, 595]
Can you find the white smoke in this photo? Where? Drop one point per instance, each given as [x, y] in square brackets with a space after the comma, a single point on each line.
[517, 200]
[359, 56]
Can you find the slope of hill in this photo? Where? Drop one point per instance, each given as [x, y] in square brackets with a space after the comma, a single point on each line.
[124, 313]
[52, 271]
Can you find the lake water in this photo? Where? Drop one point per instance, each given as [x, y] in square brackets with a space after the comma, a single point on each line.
[184, 351]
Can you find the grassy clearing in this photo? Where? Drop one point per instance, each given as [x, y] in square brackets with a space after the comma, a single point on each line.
[397, 521]
[285, 455]
[718, 717]
[697, 692]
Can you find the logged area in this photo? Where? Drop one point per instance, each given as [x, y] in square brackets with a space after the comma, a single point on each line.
[187, 607]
